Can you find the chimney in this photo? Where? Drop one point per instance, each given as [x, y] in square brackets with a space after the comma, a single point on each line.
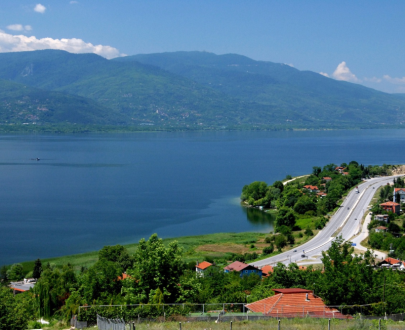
[306, 297]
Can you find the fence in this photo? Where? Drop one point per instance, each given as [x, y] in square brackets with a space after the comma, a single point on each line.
[271, 324]
[227, 312]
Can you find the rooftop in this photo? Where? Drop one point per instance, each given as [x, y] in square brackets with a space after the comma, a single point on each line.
[203, 265]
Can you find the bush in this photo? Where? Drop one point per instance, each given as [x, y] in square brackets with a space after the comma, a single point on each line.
[268, 249]
[300, 235]
[309, 232]
[267, 239]
[284, 230]
[252, 246]
[281, 241]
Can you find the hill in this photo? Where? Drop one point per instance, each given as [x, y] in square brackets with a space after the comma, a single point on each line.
[185, 90]
[22, 104]
[317, 98]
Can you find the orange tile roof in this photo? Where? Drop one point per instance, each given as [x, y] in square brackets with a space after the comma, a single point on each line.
[399, 189]
[308, 186]
[392, 261]
[327, 178]
[389, 204]
[293, 303]
[266, 270]
[382, 228]
[236, 266]
[204, 265]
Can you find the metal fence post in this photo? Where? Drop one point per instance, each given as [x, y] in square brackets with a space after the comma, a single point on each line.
[231, 325]
[278, 325]
[379, 324]
[329, 324]
[180, 325]
[203, 308]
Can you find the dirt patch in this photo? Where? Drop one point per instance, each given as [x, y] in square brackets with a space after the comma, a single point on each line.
[230, 248]
[400, 169]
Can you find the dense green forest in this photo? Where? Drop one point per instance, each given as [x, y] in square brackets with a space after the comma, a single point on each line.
[182, 90]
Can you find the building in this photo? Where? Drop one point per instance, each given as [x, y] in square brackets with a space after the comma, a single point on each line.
[294, 303]
[391, 207]
[401, 193]
[267, 270]
[22, 286]
[381, 217]
[311, 188]
[340, 169]
[322, 194]
[327, 178]
[392, 263]
[243, 269]
[200, 268]
[381, 229]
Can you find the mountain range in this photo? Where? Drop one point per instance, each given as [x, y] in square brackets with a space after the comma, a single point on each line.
[183, 90]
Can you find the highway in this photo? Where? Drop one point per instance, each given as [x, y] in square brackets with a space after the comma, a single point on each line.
[346, 222]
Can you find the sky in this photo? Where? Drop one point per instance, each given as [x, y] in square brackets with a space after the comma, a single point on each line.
[358, 41]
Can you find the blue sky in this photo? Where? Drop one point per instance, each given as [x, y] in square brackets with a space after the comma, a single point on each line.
[357, 41]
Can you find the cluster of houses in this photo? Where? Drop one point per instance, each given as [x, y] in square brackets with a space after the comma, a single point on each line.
[294, 302]
[392, 263]
[315, 189]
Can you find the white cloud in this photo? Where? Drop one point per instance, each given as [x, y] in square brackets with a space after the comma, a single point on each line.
[324, 74]
[18, 43]
[40, 8]
[373, 80]
[342, 72]
[396, 81]
[19, 27]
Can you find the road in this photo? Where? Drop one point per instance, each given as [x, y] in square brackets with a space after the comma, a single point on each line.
[346, 222]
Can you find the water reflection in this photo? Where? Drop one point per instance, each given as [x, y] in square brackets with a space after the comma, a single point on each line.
[259, 218]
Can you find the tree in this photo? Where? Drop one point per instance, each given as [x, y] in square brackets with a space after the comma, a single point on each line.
[278, 185]
[117, 254]
[15, 273]
[285, 217]
[3, 275]
[304, 204]
[316, 170]
[12, 316]
[268, 249]
[37, 269]
[158, 266]
[281, 241]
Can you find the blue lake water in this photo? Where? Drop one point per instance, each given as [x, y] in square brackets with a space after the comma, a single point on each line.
[88, 191]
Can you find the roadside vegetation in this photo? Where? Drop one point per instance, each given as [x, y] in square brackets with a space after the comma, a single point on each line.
[303, 206]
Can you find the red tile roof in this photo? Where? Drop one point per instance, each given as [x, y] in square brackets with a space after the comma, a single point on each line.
[293, 303]
[327, 178]
[236, 266]
[309, 187]
[389, 204]
[399, 189]
[392, 261]
[266, 270]
[382, 228]
[204, 265]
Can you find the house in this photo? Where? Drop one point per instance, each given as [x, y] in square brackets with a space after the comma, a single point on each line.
[243, 269]
[294, 303]
[340, 169]
[392, 263]
[22, 286]
[401, 193]
[311, 188]
[391, 207]
[381, 217]
[381, 229]
[322, 194]
[267, 270]
[200, 268]
[345, 173]
[327, 178]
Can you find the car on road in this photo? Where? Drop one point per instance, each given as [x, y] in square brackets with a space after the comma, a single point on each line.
[295, 251]
[302, 255]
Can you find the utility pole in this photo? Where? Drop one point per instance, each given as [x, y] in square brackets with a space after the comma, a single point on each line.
[384, 294]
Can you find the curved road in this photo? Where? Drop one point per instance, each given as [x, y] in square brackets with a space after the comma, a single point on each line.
[346, 222]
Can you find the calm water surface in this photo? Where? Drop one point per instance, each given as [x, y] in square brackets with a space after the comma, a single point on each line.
[88, 191]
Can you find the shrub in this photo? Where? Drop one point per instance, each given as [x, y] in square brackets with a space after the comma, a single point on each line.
[309, 232]
[268, 249]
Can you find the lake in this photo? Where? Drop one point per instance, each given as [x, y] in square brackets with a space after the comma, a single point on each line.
[91, 190]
